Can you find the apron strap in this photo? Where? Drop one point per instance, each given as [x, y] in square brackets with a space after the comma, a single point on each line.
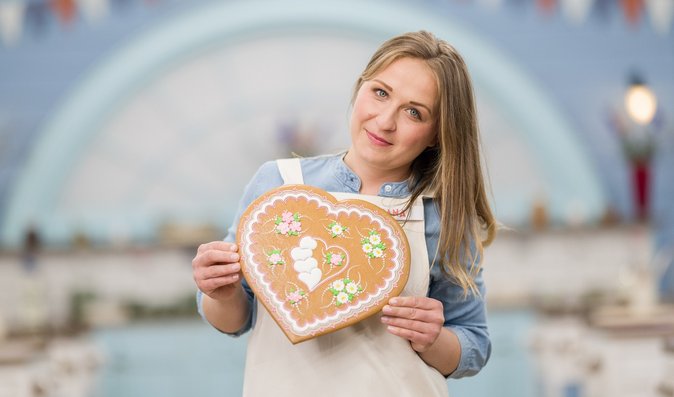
[291, 171]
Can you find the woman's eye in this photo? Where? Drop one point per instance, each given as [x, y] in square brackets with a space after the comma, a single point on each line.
[380, 93]
[415, 113]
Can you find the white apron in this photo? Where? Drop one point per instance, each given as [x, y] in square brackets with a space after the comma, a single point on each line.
[361, 360]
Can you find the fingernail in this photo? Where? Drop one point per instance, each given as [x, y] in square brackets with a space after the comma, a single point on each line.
[386, 309]
[234, 247]
[384, 319]
[234, 257]
[236, 267]
[393, 301]
[235, 277]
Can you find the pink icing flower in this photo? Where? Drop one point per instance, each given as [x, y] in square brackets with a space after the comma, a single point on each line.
[295, 226]
[287, 216]
[282, 228]
[335, 259]
[294, 296]
[275, 258]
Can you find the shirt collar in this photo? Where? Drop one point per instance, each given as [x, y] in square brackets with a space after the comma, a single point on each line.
[348, 178]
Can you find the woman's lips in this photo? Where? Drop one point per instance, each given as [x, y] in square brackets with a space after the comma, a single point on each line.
[377, 140]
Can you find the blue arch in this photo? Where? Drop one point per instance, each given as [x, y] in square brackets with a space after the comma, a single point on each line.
[69, 129]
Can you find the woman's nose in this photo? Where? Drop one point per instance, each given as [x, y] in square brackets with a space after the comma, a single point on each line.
[386, 119]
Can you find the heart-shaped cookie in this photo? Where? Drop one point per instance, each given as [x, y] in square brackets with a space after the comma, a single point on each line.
[318, 264]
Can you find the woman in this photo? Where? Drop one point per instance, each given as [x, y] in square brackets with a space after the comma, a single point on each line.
[414, 137]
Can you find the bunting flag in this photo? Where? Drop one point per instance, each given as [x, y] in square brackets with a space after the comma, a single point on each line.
[120, 4]
[632, 10]
[602, 8]
[576, 10]
[547, 7]
[491, 4]
[517, 3]
[36, 15]
[11, 21]
[93, 10]
[65, 10]
[661, 12]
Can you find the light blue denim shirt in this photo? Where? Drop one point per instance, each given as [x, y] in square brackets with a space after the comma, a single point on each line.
[465, 316]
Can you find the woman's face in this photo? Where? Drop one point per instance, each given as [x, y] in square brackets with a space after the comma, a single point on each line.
[393, 118]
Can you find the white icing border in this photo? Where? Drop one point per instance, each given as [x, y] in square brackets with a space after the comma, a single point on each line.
[341, 315]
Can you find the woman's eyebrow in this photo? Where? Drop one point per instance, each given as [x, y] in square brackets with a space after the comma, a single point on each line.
[388, 87]
[421, 105]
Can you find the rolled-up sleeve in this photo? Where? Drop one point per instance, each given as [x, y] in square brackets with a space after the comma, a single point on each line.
[466, 317]
[267, 177]
[251, 315]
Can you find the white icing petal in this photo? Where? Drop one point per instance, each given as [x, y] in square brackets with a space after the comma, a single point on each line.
[311, 263]
[311, 279]
[298, 253]
[308, 242]
[302, 266]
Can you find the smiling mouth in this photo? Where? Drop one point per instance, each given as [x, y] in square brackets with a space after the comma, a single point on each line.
[377, 140]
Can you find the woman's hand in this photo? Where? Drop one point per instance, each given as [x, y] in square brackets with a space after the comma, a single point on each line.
[216, 270]
[417, 319]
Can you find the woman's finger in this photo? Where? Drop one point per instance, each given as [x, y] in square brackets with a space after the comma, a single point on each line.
[413, 325]
[217, 245]
[418, 302]
[210, 257]
[419, 339]
[416, 308]
[413, 313]
[216, 271]
[212, 284]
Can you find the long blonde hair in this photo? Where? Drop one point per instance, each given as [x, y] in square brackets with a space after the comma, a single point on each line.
[451, 170]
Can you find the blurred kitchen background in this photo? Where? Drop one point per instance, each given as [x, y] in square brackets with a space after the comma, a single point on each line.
[128, 129]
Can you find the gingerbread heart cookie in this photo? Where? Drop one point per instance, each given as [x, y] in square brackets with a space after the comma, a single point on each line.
[318, 264]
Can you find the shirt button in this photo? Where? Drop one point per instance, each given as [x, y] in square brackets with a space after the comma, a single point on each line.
[388, 188]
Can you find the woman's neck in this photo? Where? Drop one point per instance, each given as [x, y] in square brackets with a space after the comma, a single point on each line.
[372, 178]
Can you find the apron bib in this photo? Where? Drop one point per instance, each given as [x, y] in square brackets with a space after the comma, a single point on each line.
[363, 359]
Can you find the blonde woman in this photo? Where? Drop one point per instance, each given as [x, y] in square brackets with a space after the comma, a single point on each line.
[414, 136]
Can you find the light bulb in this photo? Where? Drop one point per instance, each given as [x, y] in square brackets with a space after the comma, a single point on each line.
[641, 103]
